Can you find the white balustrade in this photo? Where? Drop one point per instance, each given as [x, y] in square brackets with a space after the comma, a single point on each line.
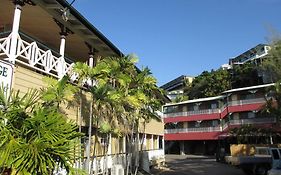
[225, 126]
[156, 154]
[188, 113]
[218, 110]
[31, 55]
[252, 121]
[189, 130]
[102, 163]
[246, 101]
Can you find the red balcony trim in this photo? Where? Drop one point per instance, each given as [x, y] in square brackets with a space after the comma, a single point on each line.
[192, 118]
[193, 136]
[232, 109]
[246, 107]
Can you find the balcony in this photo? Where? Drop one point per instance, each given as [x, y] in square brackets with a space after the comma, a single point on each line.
[189, 113]
[189, 130]
[224, 127]
[35, 55]
[234, 106]
[253, 121]
[246, 101]
[269, 120]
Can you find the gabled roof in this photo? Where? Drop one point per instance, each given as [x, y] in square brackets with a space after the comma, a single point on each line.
[221, 96]
[248, 88]
[197, 100]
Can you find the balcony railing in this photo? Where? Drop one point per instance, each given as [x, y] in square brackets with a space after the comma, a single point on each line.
[224, 127]
[252, 121]
[35, 55]
[188, 113]
[155, 154]
[218, 110]
[102, 164]
[246, 101]
[188, 130]
[268, 120]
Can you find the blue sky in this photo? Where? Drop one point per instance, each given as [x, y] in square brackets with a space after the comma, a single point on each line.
[183, 37]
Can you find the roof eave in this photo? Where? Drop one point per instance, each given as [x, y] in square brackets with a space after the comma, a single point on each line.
[85, 22]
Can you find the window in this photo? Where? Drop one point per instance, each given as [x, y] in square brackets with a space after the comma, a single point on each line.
[170, 109]
[275, 154]
[243, 115]
[214, 106]
[121, 144]
[251, 115]
[160, 146]
[103, 141]
[215, 123]
[197, 124]
[250, 96]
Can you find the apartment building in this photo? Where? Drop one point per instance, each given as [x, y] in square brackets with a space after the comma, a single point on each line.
[41, 38]
[196, 126]
[255, 55]
[174, 88]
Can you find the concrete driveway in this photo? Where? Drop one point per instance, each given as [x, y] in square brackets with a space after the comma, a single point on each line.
[196, 165]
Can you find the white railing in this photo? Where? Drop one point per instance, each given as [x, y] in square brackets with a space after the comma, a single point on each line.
[246, 101]
[252, 121]
[218, 110]
[268, 120]
[31, 55]
[156, 154]
[100, 164]
[224, 127]
[188, 130]
[188, 113]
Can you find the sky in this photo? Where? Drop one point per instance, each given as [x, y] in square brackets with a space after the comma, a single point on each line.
[183, 37]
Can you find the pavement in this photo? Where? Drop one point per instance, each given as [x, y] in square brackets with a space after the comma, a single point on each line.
[195, 165]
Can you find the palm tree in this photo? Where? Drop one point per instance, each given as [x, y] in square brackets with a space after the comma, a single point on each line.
[101, 99]
[36, 138]
[121, 95]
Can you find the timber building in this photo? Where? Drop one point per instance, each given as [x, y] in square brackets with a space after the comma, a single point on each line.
[36, 40]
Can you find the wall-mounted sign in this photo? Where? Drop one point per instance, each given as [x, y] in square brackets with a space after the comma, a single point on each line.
[6, 76]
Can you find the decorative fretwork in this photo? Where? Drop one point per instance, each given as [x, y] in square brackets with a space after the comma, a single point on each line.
[31, 55]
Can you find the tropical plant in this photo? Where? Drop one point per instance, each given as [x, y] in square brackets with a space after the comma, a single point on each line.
[121, 97]
[272, 62]
[36, 138]
[208, 84]
[271, 66]
[245, 75]
[249, 134]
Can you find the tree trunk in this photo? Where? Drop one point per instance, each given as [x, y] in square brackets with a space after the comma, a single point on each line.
[80, 129]
[136, 149]
[94, 152]
[88, 149]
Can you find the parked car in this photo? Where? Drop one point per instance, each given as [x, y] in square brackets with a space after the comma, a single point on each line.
[259, 164]
[274, 172]
[276, 163]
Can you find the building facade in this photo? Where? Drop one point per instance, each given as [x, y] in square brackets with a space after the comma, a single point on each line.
[175, 87]
[254, 55]
[40, 38]
[197, 126]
